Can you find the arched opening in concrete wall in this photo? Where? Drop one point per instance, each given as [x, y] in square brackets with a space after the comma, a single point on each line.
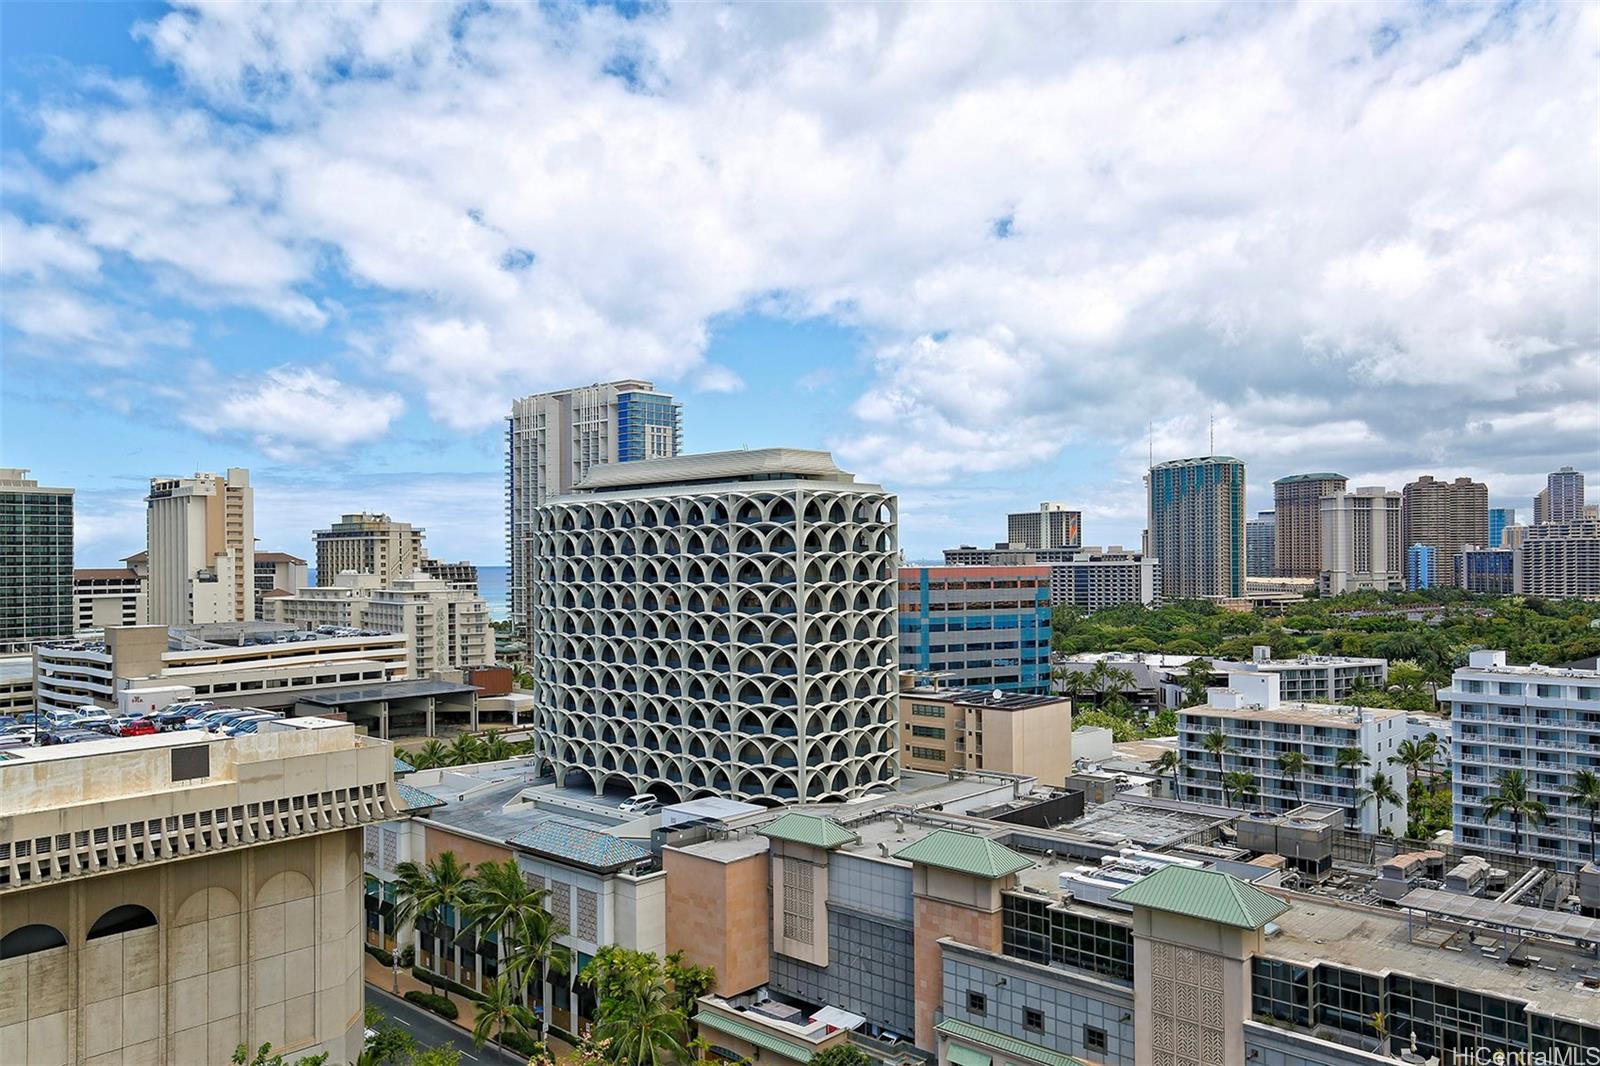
[123, 919]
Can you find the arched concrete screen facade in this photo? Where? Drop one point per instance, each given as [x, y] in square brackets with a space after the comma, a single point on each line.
[736, 641]
[123, 919]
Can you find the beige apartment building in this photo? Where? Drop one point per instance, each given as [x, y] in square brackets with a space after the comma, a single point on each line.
[368, 544]
[107, 596]
[448, 626]
[1297, 522]
[1447, 516]
[166, 898]
[977, 729]
[200, 539]
[1361, 542]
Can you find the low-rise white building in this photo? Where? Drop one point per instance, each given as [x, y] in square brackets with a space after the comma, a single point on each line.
[108, 596]
[1096, 578]
[448, 625]
[1259, 727]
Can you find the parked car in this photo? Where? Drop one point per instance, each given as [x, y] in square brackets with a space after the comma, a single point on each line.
[133, 727]
[100, 723]
[639, 803]
[204, 719]
[170, 718]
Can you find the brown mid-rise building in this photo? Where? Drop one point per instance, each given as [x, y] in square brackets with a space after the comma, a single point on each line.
[1297, 546]
[1447, 516]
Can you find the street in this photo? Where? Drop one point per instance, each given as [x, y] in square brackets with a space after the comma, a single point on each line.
[430, 1030]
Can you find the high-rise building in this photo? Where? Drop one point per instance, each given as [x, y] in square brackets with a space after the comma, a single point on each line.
[1421, 566]
[462, 575]
[276, 574]
[168, 898]
[1297, 534]
[1540, 717]
[448, 625]
[717, 624]
[977, 626]
[553, 439]
[1197, 521]
[1361, 545]
[1447, 516]
[1260, 545]
[1095, 578]
[368, 544]
[1491, 571]
[1053, 525]
[1560, 559]
[200, 538]
[1561, 499]
[1499, 519]
[107, 597]
[35, 559]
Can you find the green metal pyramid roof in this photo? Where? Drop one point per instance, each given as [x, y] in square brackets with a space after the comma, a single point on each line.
[1006, 1045]
[965, 853]
[1208, 894]
[808, 829]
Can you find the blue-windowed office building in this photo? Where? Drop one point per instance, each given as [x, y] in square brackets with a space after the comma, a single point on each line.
[977, 626]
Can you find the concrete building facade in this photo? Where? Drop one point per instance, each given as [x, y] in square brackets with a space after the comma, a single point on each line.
[553, 439]
[977, 626]
[201, 547]
[276, 574]
[107, 597]
[1196, 527]
[1297, 532]
[1362, 546]
[1560, 560]
[718, 624]
[980, 729]
[1562, 498]
[36, 593]
[167, 898]
[1543, 721]
[1053, 525]
[448, 627]
[1260, 545]
[367, 544]
[1097, 578]
[1447, 516]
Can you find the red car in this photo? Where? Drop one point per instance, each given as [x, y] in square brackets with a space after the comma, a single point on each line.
[133, 727]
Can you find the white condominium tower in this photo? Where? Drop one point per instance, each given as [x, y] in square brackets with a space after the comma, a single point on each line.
[202, 549]
[1362, 547]
[552, 440]
[719, 624]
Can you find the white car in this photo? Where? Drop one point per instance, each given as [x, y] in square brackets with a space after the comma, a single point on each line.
[639, 803]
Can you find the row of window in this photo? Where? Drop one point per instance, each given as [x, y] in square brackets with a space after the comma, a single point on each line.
[1094, 1038]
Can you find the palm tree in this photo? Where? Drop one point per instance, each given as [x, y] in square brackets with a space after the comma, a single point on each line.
[427, 891]
[642, 1025]
[1216, 744]
[1293, 765]
[1071, 682]
[1353, 759]
[430, 756]
[494, 747]
[1585, 795]
[1239, 784]
[1196, 679]
[1169, 763]
[501, 898]
[534, 949]
[464, 750]
[1380, 790]
[499, 1010]
[1095, 679]
[1414, 755]
[1512, 798]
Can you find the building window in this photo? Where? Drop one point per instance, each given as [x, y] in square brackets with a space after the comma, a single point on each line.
[927, 710]
[934, 754]
[933, 732]
[977, 1003]
[1033, 1019]
[1094, 1039]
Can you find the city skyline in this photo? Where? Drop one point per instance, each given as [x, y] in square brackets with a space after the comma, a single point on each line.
[1023, 335]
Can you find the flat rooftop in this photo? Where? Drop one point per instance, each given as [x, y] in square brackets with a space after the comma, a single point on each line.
[1375, 941]
[758, 464]
[499, 800]
[1149, 824]
[1300, 713]
[986, 698]
[16, 668]
[388, 690]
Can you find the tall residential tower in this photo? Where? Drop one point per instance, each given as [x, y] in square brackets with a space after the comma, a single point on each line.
[1447, 516]
[1197, 521]
[1561, 499]
[1361, 544]
[1297, 534]
[552, 441]
[1051, 526]
[202, 549]
[36, 546]
[368, 544]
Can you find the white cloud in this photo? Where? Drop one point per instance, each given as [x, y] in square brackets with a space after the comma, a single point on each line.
[713, 378]
[1363, 235]
[289, 413]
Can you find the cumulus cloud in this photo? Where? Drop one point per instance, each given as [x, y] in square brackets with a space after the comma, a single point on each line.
[289, 412]
[1361, 235]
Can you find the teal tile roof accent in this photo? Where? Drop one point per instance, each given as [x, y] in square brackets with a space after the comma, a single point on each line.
[581, 845]
[413, 798]
[808, 829]
[401, 766]
[1005, 1045]
[964, 853]
[753, 1034]
[1210, 895]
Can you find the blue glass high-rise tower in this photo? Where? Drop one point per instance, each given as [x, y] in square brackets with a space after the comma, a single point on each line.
[1197, 527]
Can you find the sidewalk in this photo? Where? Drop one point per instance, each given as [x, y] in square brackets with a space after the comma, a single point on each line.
[381, 976]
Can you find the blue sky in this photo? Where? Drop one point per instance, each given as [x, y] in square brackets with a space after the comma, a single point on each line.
[984, 254]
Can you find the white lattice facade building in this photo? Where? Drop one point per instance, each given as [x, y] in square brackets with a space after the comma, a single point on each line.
[719, 624]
